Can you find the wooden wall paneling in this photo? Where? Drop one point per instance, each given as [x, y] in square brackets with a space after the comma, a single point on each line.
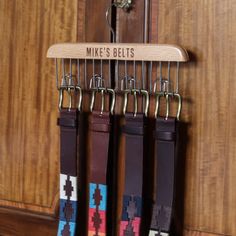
[96, 29]
[199, 233]
[207, 29]
[19, 223]
[130, 24]
[81, 20]
[29, 135]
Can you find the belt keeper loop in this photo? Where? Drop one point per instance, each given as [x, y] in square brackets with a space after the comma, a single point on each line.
[165, 136]
[65, 122]
[103, 128]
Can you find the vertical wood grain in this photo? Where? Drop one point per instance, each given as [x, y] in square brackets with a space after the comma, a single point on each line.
[200, 233]
[28, 132]
[207, 29]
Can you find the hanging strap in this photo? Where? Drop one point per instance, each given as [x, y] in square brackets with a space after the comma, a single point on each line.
[132, 198]
[68, 123]
[165, 136]
[100, 132]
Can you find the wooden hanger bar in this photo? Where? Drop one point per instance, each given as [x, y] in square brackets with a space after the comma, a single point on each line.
[118, 51]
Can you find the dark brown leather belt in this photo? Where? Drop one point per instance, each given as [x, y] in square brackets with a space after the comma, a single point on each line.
[132, 199]
[68, 123]
[100, 133]
[165, 136]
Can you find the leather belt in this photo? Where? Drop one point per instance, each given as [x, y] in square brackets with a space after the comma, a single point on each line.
[132, 199]
[68, 123]
[100, 132]
[165, 136]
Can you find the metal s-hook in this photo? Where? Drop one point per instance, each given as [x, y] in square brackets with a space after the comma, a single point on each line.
[109, 24]
[123, 4]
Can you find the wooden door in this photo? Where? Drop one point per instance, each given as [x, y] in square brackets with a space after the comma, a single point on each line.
[29, 135]
[207, 29]
[29, 147]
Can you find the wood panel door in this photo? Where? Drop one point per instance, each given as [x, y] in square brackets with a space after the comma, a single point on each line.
[29, 145]
[208, 31]
[29, 137]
